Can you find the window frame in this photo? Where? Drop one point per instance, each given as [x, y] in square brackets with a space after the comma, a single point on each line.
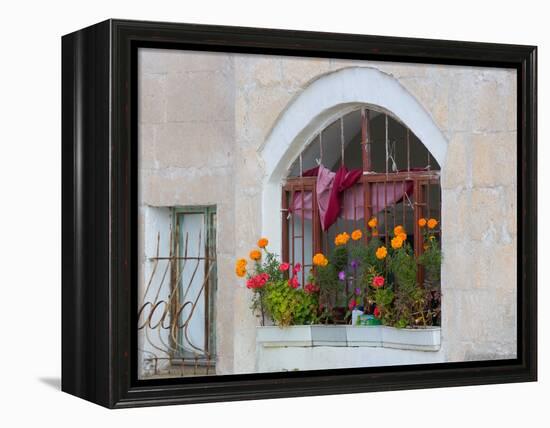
[319, 239]
[210, 256]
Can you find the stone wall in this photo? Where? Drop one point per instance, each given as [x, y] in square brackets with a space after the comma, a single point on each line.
[204, 117]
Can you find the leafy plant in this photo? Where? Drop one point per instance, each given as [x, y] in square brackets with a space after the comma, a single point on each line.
[290, 306]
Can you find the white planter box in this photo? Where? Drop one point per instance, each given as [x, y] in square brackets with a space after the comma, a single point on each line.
[329, 335]
[364, 335]
[414, 339]
[296, 335]
[417, 339]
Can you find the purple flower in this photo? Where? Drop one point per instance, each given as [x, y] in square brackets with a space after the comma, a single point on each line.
[354, 264]
[342, 275]
[357, 291]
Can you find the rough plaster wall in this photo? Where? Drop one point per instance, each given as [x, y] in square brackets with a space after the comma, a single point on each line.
[186, 139]
[475, 110]
[231, 102]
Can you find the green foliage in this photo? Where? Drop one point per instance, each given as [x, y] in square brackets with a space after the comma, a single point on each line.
[269, 265]
[402, 265]
[289, 306]
[431, 260]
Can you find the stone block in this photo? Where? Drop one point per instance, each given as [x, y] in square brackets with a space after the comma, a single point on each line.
[177, 61]
[257, 113]
[299, 72]
[433, 92]
[152, 104]
[488, 214]
[494, 159]
[203, 96]
[458, 170]
[480, 100]
[194, 144]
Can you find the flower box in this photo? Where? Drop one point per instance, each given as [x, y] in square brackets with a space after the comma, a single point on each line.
[364, 335]
[417, 339]
[329, 335]
[274, 336]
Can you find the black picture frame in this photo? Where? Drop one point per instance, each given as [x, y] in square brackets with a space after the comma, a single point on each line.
[99, 213]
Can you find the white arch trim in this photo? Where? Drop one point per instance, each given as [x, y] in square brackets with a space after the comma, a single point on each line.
[318, 105]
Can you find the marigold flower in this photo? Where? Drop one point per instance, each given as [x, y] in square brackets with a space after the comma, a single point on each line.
[378, 281]
[356, 234]
[283, 267]
[422, 222]
[397, 230]
[320, 260]
[374, 232]
[342, 238]
[240, 267]
[255, 255]
[432, 238]
[432, 223]
[396, 243]
[403, 236]
[381, 253]
[262, 242]
[373, 222]
[240, 271]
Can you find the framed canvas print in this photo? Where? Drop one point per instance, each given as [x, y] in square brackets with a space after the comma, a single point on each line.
[253, 213]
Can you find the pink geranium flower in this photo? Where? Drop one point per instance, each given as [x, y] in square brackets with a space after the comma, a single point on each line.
[378, 281]
[284, 267]
[293, 282]
[297, 268]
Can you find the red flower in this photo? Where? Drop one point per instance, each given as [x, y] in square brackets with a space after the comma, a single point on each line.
[293, 282]
[311, 288]
[378, 281]
[376, 312]
[297, 268]
[351, 304]
[284, 267]
[257, 281]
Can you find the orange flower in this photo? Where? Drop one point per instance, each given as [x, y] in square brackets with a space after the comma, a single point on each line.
[381, 253]
[373, 222]
[396, 242]
[342, 238]
[403, 236]
[262, 243]
[356, 235]
[319, 259]
[374, 232]
[422, 222]
[240, 271]
[397, 230]
[240, 267]
[255, 255]
[432, 223]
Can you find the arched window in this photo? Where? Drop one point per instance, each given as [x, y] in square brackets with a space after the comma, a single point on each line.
[366, 164]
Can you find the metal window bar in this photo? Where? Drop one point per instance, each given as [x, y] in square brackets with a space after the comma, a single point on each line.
[159, 317]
